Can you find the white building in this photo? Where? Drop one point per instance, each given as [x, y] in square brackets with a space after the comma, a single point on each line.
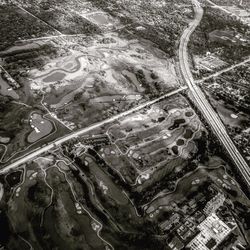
[212, 232]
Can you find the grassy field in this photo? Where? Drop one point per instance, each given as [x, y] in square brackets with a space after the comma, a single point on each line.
[152, 142]
[34, 196]
[109, 70]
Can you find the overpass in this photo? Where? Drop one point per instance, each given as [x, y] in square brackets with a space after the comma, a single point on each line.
[30, 156]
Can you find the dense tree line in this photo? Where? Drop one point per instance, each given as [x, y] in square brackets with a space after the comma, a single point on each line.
[18, 25]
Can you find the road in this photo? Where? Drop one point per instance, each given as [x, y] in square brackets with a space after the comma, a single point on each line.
[219, 7]
[29, 13]
[200, 100]
[24, 159]
[209, 114]
[223, 71]
[51, 37]
[228, 12]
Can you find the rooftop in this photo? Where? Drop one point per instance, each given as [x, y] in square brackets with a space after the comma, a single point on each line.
[212, 231]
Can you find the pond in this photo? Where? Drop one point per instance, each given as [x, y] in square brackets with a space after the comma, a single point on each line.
[41, 128]
[54, 77]
[188, 134]
[100, 18]
[14, 178]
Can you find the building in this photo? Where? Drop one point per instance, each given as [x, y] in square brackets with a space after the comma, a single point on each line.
[187, 230]
[166, 225]
[97, 140]
[212, 232]
[176, 244]
[9, 79]
[216, 202]
[199, 217]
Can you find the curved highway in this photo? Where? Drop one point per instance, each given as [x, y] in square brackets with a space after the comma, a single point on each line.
[200, 100]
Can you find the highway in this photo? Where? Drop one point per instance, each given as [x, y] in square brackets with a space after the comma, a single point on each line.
[24, 159]
[200, 100]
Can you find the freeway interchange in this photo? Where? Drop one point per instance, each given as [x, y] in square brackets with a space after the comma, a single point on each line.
[208, 112]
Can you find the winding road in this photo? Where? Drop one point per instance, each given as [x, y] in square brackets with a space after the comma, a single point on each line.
[201, 102]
